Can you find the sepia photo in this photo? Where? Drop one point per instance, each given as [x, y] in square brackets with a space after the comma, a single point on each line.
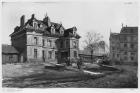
[70, 44]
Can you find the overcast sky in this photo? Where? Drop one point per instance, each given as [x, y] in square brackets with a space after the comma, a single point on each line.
[86, 16]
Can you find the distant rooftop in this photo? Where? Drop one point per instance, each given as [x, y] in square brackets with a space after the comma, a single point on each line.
[129, 30]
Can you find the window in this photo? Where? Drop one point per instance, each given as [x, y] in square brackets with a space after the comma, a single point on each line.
[113, 54]
[56, 54]
[132, 53]
[74, 33]
[50, 55]
[61, 44]
[132, 58]
[35, 25]
[67, 44]
[125, 38]
[125, 58]
[135, 38]
[113, 48]
[74, 44]
[117, 55]
[10, 57]
[53, 30]
[43, 42]
[36, 40]
[132, 46]
[125, 53]
[75, 54]
[125, 45]
[50, 43]
[35, 53]
[131, 30]
[62, 32]
[43, 54]
[132, 38]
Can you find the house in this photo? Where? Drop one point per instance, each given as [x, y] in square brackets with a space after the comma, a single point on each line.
[44, 40]
[9, 54]
[124, 45]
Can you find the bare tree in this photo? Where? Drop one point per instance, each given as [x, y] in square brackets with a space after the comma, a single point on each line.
[92, 41]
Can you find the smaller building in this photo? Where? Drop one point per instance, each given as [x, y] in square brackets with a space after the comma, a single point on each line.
[87, 57]
[9, 54]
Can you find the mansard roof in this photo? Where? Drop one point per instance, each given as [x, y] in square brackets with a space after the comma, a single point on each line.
[46, 29]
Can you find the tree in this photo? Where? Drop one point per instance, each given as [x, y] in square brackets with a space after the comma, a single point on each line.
[92, 41]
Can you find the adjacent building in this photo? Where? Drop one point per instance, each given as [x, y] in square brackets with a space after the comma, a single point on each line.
[9, 54]
[124, 45]
[44, 41]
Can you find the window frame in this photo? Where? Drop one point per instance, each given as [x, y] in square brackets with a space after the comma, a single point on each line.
[49, 54]
[36, 40]
[75, 54]
[43, 42]
[35, 53]
[125, 45]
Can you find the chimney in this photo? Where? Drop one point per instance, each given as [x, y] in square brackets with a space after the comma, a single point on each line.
[33, 15]
[22, 20]
[122, 24]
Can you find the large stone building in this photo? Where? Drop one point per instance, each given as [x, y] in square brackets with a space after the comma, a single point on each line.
[124, 45]
[44, 41]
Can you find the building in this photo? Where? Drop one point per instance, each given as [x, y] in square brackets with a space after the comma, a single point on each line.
[124, 45]
[86, 56]
[9, 54]
[44, 41]
[98, 53]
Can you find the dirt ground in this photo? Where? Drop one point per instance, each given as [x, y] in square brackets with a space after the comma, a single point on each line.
[126, 79]
[35, 76]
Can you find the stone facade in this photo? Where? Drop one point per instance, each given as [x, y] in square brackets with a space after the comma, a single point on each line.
[44, 41]
[124, 45]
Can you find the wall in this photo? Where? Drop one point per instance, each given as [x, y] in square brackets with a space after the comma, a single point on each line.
[10, 58]
[31, 45]
[19, 42]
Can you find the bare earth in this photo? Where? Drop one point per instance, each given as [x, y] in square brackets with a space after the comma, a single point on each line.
[36, 76]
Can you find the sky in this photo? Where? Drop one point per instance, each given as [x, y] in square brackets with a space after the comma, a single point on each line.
[101, 17]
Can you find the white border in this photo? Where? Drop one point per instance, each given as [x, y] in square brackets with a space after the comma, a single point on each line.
[63, 90]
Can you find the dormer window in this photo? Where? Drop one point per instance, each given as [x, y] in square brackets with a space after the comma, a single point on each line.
[40, 25]
[74, 32]
[52, 30]
[61, 32]
[35, 25]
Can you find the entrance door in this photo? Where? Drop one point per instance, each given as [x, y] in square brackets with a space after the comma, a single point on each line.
[64, 55]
